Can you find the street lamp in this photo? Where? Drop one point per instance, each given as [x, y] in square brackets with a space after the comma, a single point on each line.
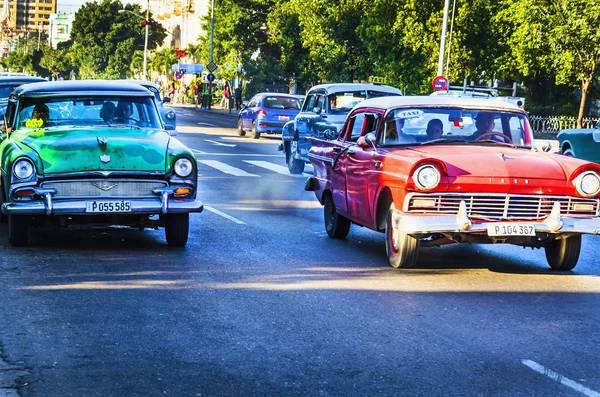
[146, 34]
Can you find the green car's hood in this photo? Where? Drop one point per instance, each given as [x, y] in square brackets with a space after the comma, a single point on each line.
[97, 149]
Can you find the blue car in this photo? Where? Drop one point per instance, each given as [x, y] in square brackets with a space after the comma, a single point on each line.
[167, 114]
[267, 113]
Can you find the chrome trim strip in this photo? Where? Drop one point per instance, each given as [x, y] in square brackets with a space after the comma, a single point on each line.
[322, 158]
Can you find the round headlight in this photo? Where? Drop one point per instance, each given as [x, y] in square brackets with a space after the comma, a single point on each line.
[589, 184]
[23, 169]
[170, 115]
[427, 177]
[183, 167]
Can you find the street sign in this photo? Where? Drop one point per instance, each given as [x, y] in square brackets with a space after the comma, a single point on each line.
[178, 75]
[210, 77]
[440, 83]
[211, 66]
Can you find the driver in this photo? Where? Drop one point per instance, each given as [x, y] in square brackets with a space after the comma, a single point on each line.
[484, 124]
[124, 113]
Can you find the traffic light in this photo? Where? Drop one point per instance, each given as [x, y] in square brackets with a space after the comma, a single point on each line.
[179, 54]
[144, 22]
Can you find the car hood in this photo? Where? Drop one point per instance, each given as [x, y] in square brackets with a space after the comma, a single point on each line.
[494, 161]
[98, 149]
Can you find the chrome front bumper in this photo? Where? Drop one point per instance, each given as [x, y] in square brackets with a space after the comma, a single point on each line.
[421, 223]
[164, 203]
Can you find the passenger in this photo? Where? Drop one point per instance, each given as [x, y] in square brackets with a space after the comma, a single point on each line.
[435, 129]
[41, 114]
[124, 113]
[107, 113]
[392, 134]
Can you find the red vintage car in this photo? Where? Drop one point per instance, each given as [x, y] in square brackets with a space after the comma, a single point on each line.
[428, 171]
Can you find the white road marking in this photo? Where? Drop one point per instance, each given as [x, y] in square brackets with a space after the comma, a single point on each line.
[559, 378]
[208, 124]
[239, 154]
[226, 168]
[198, 151]
[219, 143]
[224, 215]
[270, 166]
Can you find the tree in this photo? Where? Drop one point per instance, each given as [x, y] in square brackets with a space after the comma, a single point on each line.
[560, 37]
[162, 60]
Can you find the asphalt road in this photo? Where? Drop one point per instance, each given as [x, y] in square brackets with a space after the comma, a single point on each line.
[262, 303]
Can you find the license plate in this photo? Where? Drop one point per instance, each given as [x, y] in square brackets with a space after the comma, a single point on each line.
[511, 229]
[284, 118]
[108, 206]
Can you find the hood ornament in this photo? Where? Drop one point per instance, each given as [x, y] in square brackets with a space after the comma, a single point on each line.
[501, 155]
[105, 158]
[104, 186]
[102, 140]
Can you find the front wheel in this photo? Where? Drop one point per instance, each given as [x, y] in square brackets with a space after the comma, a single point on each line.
[294, 165]
[336, 225]
[402, 250]
[177, 227]
[18, 230]
[241, 131]
[563, 254]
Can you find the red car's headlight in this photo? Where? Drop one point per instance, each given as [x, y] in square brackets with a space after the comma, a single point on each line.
[427, 177]
[587, 184]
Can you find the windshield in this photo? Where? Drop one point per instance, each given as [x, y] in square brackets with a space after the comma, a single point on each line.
[438, 125]
[281, 102]
[343, 102]
[86, 112]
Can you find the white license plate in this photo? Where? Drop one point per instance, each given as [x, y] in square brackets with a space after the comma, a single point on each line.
[511, 229]
[284, 118]
[108, 206]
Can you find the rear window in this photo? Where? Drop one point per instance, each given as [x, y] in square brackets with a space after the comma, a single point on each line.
[276, 102]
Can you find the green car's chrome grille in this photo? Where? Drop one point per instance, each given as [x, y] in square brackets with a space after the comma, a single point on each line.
[103, 188]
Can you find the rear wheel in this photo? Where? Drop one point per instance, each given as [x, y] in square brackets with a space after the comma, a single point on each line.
[402, 250]
[294, 165]
[241, 131]
[563, 254]
[18, 230]
[177, 228]
[336, 225]
[255, 132]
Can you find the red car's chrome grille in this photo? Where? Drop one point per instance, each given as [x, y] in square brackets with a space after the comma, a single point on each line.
[495, 207]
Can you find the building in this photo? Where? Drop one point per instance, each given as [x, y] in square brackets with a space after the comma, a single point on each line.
[59, 28]
[22, 18]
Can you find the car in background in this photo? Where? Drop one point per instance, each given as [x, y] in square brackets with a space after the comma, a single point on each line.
[457, 170]
[267, 113]
[582, 143]
[8, 83]
[323, 113]
[167, 114]
[93, 153]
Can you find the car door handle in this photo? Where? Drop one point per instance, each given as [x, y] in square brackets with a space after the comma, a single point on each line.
[337, 149]
[351, 152]
[377, 165]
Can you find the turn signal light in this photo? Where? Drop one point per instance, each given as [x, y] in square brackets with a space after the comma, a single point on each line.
[182, 192]
[24, 193]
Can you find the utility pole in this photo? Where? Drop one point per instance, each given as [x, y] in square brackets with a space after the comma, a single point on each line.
[440, 71]
[210, 52]
[146, 38]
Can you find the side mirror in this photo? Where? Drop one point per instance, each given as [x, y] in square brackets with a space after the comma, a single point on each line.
[166, 99]
[371, 138]
[547, 146]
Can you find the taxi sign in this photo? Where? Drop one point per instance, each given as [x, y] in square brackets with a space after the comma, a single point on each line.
[377, 80]
[211, 66]
[440, 83]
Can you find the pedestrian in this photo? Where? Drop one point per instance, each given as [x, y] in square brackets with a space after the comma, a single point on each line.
[195, 92]
[226, 95]
[238, 98]
[172, 93]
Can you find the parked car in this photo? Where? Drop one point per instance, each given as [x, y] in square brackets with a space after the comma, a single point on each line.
[583, 143]
[267, 113]
[167, 114]
[480, 180]
[323, 113]
[93, 152]
[8, 83]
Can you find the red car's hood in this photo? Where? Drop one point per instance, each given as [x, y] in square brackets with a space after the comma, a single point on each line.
[494, 161]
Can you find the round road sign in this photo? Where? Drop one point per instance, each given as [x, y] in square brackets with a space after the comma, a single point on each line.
[440, 83]
[210, 77]
[178, 75]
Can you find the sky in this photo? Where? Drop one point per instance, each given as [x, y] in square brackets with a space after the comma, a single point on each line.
[71, 6]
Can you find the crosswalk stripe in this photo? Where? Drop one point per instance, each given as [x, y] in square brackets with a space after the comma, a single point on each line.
[226, 168]
[270, 166]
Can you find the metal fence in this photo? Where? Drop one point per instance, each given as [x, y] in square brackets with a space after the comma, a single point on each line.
[547, 127]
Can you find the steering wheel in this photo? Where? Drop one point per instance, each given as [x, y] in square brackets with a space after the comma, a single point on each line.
[490, 134]
[127, 118]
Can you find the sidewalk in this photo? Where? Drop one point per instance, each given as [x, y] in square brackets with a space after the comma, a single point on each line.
[215, 109]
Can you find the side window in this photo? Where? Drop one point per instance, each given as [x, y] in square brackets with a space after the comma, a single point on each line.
[357, 126]
[309, 104]
[320, 103]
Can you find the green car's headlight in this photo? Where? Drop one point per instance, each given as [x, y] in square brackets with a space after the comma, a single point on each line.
[23, 169]
[183, 167]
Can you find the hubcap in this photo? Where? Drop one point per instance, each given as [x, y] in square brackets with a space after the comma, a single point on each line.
[395, 231]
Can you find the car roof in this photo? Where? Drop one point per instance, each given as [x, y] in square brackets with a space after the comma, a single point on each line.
[439, 100]
[144, 83]
[338, 87]
[11, 80]
[81, 87]
[277, 94]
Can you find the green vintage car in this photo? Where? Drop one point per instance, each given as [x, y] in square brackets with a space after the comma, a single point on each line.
[583, 143]
[93, 153]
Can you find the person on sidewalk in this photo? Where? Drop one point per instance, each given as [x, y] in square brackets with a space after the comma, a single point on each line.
[195, 92]
[238, 98]
[226, 95]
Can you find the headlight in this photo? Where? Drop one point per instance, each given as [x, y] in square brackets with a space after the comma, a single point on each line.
[588, 184]
[427, 177]
[183, 167]
[23, 169]
[170, 115]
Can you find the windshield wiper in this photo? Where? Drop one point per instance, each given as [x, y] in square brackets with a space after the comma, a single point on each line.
[445, 140]
[496, 142]
[125, 125]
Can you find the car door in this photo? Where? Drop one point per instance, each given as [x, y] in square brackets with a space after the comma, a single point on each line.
[249, 113]
[308, 126]
[361, 167]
